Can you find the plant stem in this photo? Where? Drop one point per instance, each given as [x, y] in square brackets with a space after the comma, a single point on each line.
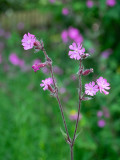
[80, 91]
[71, 152]
[56, 92]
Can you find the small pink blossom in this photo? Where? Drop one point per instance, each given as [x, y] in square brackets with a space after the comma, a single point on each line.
[77, 52]
[13, 58]
[89, 3]
[103, 84]
[64, 36]
[65, 11]
[73, 115]
[99, 113]
[91, 89]
[46, 83]
[28, 41]
[101, 123]
[111, 3]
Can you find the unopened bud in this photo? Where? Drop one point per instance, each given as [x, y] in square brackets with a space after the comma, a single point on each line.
[50, 89]
[87, 71]
[37, 67]
[38, 45]
[85, 55]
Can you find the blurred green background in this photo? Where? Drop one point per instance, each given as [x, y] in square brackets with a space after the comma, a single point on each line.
[30, 119]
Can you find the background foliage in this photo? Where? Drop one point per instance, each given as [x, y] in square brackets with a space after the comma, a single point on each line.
[30, 119]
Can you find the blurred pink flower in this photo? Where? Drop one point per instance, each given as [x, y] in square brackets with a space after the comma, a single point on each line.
[21, 63]
[1, 46]
[57, 70]
[0, 58]
[99, 113]
[73, 33]
[103, 84]
[7, 35]
[73, 77]
[106, 112]
[28, 41]
[91, 89]
[20, 25]
[36, 61]
[62, 90]
[46, 83]
[65, 11]
[45, 70]
[101, 123]
[13, 58]
[73, 115]
[77, 51]
[105, 54]
[89, 3]
[2, 32]
[64, 36]
[51, 1]
[111, 3]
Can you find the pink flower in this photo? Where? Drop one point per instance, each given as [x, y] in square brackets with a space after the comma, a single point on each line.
[77, 52]
[111, 3]
[101, 123]
[91, 89]
[89, 3]
[64, 36]
[13, 58]
[28, 41]
[73, 115]
[99, 113]
[65, 11]
[46, 83]
[73, 33]
[103, 84]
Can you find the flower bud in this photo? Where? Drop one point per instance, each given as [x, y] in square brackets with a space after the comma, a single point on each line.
[50, 88]
[85, 55]
[38, 45]
[37, 67]
[87, 71]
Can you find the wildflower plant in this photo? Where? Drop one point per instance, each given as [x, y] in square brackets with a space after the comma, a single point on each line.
[76, 52]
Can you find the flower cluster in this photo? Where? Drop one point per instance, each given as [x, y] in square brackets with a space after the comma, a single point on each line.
[102, 84]
[102, 115]
[76, 52]
[71, 34]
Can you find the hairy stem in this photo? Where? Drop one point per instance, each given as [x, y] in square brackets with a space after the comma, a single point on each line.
[57, 96]
[80, 91]
[71, 152]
